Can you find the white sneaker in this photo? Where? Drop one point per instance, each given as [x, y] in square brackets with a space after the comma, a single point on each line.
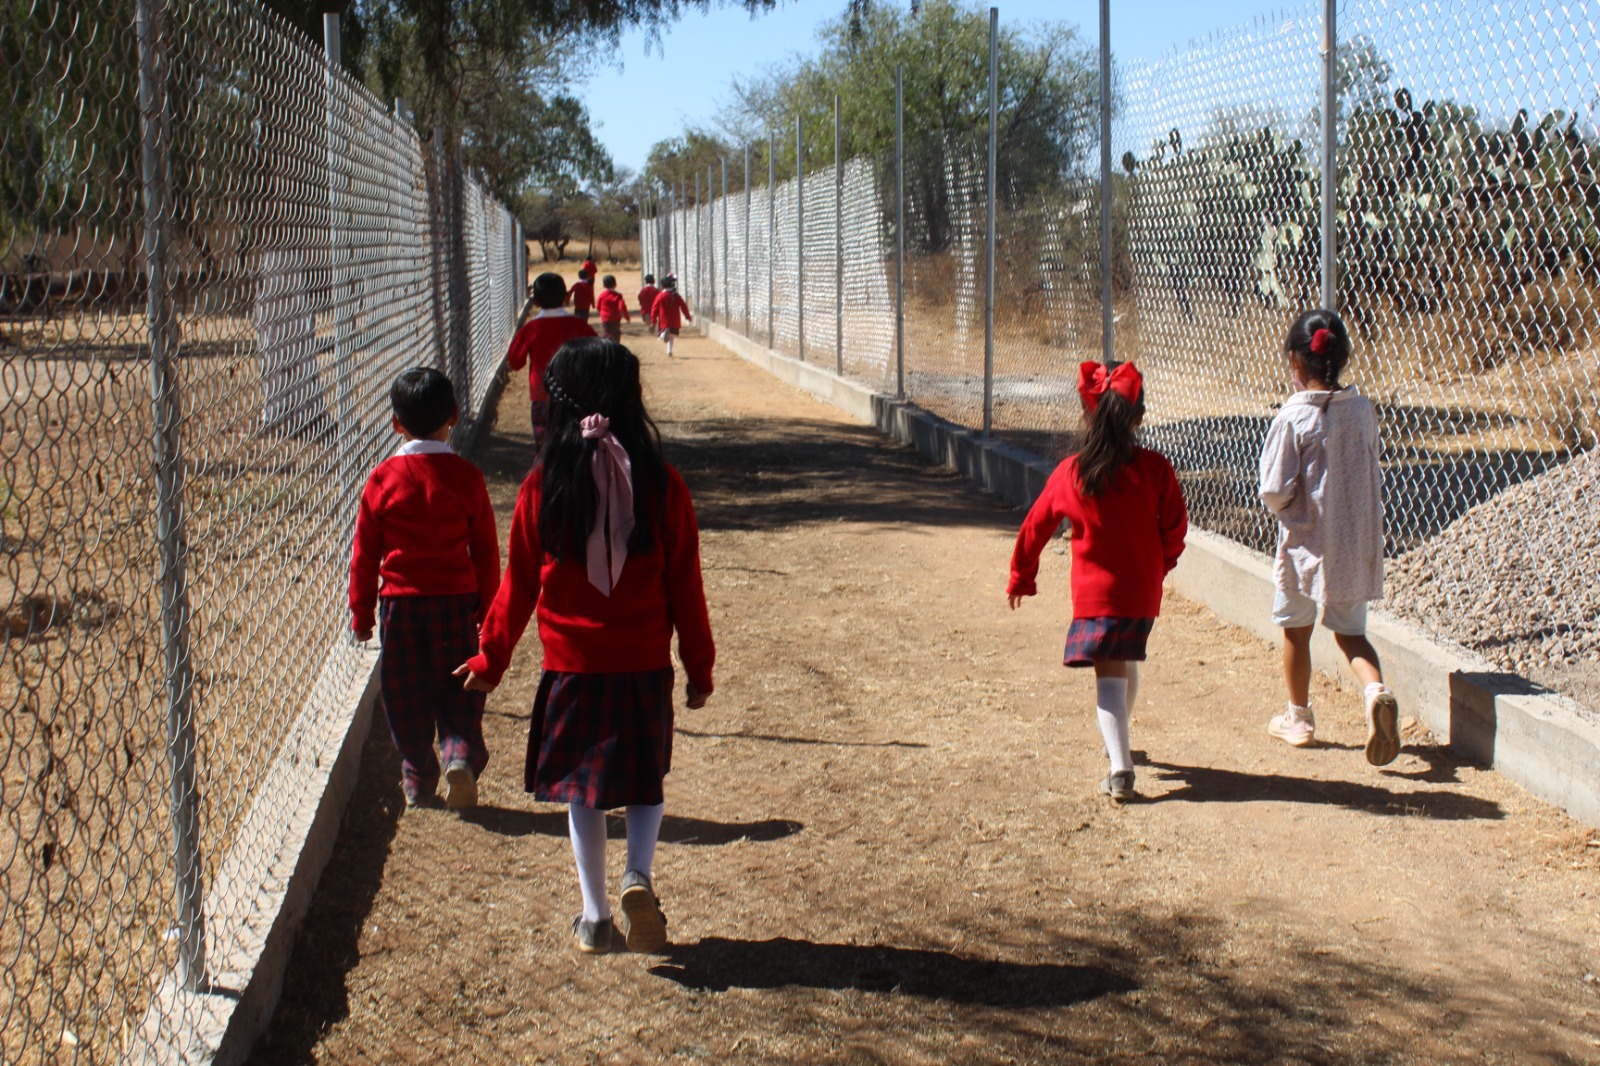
[1296, 726]
[1383, 726]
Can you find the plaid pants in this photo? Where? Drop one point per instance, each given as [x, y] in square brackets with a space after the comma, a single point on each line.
[424, 638]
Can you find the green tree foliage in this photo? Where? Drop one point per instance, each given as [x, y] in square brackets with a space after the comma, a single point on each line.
[1048, 116]
[676, 162]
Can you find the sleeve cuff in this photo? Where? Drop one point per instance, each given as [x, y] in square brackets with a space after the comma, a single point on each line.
[1020, 587]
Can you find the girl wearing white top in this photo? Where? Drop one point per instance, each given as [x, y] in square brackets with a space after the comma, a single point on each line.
[1320, 476]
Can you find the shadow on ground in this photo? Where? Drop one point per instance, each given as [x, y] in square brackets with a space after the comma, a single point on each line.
[1206, 784]
[675, 829]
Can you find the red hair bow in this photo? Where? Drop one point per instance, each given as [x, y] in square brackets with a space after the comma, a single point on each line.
[1319, 341]
[1094, 380]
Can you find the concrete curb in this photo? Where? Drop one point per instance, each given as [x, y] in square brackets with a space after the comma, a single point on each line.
[265, 885]
[1529, 735]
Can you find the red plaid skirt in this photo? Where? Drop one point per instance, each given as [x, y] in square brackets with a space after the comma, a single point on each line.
[600, 740]
[1089, 639]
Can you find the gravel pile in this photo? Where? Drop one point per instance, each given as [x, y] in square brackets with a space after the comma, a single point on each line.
[1517, 579]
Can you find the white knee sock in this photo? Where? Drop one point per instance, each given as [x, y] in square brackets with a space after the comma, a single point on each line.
[1133, 686]
[1111, 707]
[588, 828]
[669, 344]
[644, 828]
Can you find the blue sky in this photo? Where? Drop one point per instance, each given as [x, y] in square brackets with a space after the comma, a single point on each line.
[687, 78]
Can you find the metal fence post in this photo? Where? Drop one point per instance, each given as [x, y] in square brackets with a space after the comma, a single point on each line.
[838, 240]
[745, 326]
[1107, 320]
[698, 263]
[772, 232]
[988, 237]
[1330, 150]
[711, 239]
[900, 232]
[184, 799]
[800, 234]
[338, 255]
[727, 282]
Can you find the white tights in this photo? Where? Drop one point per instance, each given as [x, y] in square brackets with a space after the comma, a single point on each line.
[588, 828]
[1113, 696]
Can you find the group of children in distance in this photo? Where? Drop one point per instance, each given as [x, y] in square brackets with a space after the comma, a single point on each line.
[604, 553]
[662, 309]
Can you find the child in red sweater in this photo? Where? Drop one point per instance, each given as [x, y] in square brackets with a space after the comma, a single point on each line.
[535, 344]
[605, 552]
[1127, 528]
[647, 297]
[668, 312]
[581, 295]
[613, 310]
[426, 530]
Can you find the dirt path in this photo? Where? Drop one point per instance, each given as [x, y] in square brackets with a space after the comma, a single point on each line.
[883, 841]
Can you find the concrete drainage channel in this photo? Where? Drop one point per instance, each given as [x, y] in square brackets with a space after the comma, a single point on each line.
[1499, 720]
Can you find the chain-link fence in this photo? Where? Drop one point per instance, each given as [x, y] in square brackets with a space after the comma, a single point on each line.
[217, 252]
[1467, 141]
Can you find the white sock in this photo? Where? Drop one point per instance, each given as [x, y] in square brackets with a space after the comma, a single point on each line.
[1374, 689]
[1111, 707]
[588, 828]
[669, 344]
[1133, 686]
[644, 828]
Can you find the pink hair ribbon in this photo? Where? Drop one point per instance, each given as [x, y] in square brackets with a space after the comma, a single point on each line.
[1094, 380]
[607, 549]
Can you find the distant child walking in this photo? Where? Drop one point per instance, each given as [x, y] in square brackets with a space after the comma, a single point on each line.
[425, 531]
[1320, 476]
[647, 297]
[581, 295]
[669, 311]
[605, 551]
[613, 310]
[1127, 528]
[536, 343]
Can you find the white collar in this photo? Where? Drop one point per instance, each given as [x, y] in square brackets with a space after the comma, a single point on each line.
[554, 312]
[425, 447]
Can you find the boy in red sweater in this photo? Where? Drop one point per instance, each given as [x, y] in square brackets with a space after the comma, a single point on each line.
[537, 342]
[613, 310]
[426, 531]
[647, 297]
[668, 312]
[589, 267]
[581, 295]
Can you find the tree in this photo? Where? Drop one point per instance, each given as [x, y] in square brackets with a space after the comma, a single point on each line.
[1048, 114]
[676, 162]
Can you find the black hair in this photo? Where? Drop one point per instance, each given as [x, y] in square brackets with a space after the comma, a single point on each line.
[608, 282]
[593, 376]
[423, 400]
[1109, 440]
[649, 279]
[669, 282]
[583, 275]
[1325, 366]
[549, 291]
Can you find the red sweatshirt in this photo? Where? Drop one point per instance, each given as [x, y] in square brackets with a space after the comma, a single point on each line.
[426, 528]
[1123, 541]
[664, 312]
[613, 308]
[588, 266]
[581, 295]
[587, 633]
[537, 342]
[647, 299]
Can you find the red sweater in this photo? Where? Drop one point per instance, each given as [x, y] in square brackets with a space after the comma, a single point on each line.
[537, 342]
[588, 266]
[581, 295]
[1123, 541]
[664, 312]
[647, 299]
[613, 308]
[426, 528]
[587, 633]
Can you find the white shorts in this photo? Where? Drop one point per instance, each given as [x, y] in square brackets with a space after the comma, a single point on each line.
[1292, 610]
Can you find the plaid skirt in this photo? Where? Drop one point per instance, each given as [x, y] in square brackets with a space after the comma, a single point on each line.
[600, 740]
[1089, 639]
[611, 331]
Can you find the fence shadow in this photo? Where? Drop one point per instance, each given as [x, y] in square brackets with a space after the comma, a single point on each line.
[717, 964]
[675, 829]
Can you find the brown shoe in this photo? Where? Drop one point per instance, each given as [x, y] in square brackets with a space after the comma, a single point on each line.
[644, 927]
[592, 938]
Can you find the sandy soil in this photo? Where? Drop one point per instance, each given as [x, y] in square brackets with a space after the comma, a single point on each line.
[884, 844]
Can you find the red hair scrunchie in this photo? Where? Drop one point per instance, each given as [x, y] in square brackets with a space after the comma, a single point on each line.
[1094, 381]
[1320, 340]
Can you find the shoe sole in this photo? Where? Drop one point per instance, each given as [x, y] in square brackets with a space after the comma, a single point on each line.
[1298, 740]
[1383, 736]
[647, 926]
[462, 788]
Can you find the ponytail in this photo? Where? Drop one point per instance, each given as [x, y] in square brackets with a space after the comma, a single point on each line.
[1109, 441]
[1319, 340]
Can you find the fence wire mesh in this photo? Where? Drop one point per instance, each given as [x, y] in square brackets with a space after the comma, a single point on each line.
[300, 247]
[1468, 268]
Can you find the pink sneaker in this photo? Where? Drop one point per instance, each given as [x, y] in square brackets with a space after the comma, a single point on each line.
[1296, 726]
[1383, 726]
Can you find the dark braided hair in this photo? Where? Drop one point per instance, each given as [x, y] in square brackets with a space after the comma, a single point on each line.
[1303, 343]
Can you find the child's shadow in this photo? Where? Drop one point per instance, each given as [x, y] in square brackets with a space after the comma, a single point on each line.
[1208, 784]
[675, 829]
